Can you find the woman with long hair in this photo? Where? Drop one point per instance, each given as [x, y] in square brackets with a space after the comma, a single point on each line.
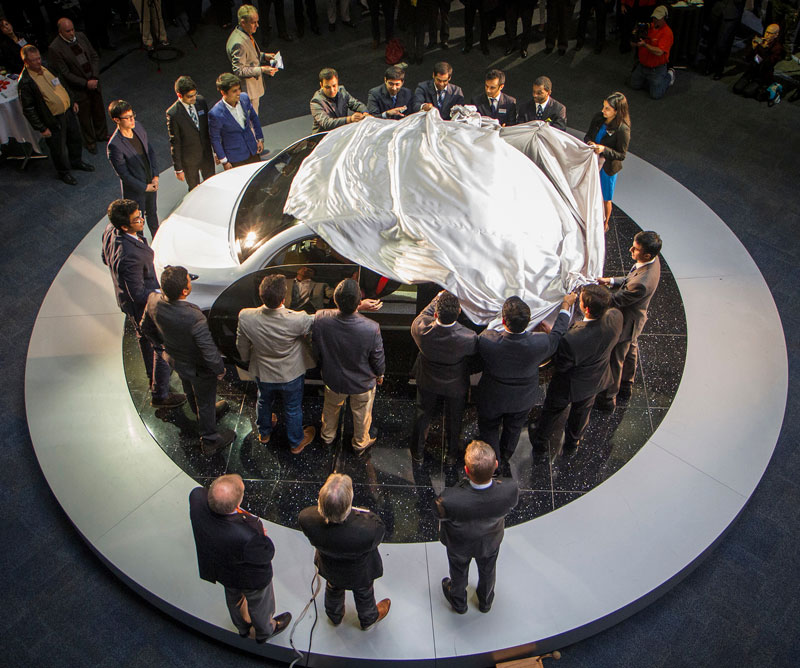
[609, 135]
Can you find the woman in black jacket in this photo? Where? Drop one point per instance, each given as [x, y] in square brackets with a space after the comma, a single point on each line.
[609, 135]
[11, 43]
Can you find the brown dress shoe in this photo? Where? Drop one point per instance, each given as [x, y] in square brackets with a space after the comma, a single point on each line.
[309, 434]
[281, 622]
[172, 400]
[383, 610]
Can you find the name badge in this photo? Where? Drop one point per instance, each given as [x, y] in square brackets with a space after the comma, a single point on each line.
[56, 81]
[200, 112]
[502, 111]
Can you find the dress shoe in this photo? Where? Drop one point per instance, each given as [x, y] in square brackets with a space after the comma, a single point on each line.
[485, 49]
[245, 634]
[172, 400]
[548, 50]
[485, 606]
[226, 437]
[579, 45]
[717, 76]
[383, 610]
[444, 44]
[332, 27]
[92, 148]
[316, 30]
[349, 24]
[418, 60]
[606, 405]
[523, 53]
[264, 438]
[286, 37]
[83, 166]
[374, 44]
[360, 452]
[334, 621]
[309, 434]
[598, 48]
[467, 48]
[625, 390]
[446, 592]
[67, 178]
[570, 448]
[281, 622]
[220, 408]
[301, 32]
[562, 50]
[509, 50]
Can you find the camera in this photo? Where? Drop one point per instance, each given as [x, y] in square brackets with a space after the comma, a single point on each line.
[640, 31]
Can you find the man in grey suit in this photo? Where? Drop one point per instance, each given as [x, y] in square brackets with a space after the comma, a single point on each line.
[581, 370]
[272, 339]
[332, 106]
[349, 348]
[182, 329]
[246, 57]
[507, 389]
[631, 295]
[471, 526]
[441, 371]
[303, 293]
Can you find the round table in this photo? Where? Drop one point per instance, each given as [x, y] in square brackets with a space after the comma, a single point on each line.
[13, 124]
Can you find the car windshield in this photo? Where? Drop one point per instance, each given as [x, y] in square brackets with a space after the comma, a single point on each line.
[260, 215]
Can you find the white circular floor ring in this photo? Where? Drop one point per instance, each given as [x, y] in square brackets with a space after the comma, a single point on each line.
[561, 577]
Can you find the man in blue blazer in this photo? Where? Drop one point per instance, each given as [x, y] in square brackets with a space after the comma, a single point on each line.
[134, 161]
[392, 99]
[438, 92]
[233, 125]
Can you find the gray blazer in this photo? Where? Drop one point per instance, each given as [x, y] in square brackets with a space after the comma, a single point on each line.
[182, 329]
[273, 341]
[633, 297]
[349, 349]
[245, 57]
[64, 63]
[329, 114]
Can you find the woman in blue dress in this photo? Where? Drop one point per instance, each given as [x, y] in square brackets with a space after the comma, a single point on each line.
[609, 135]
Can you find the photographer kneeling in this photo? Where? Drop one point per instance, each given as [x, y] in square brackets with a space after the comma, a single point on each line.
[653, 55]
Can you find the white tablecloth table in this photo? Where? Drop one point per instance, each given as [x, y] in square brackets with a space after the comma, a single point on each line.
[13, 125]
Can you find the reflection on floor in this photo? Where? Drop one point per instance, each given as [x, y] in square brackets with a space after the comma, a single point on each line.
[280, 484]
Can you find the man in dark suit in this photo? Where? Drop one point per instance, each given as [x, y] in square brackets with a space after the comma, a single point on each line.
[77, 64]
[438, 92]
[47, 106]
[442, 371]
[187, 126]
[349, 348]
[182, 329]
[134, 161]
[471, 526]
[233, 549]
[392, 99]
[346, 541]
[233, 125]
[130, 260]
[494, 103]
[631, 295]
[543, 107]
[522, 9]
[303, 293]
[507, 389]
[581, 370]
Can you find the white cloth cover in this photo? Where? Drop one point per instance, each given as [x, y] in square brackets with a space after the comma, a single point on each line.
[427, 200]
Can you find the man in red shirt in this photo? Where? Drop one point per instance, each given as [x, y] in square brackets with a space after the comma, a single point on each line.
[653, 54]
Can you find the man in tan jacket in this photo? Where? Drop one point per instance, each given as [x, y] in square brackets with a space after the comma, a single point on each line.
[246, 57]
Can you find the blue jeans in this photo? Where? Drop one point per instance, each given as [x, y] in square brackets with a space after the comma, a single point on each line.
[292, 397]
[656, 79]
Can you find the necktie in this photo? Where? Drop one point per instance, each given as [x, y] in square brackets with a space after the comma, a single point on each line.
[440, 99]
[494, 106]
[193, 114]
[394, 101]
[539, 112]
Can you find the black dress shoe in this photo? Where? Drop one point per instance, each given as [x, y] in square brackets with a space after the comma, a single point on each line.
[523, 53]
[548, 49]
[446, 592]
[579, 45]
[245, 634]
[485, 49]
[467, 48]
[301, 32]
[606, 405]
[349, 24]
[92, 148]
[67, 178]
[316, 30]
[509, 50]
[331, 27]
[225, 438]
[445, 44]
[84, 167]
[717, 76]
[281, 622]
[562, 50]
[625, 390]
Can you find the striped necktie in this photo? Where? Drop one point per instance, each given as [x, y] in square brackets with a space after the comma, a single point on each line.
[193, 114]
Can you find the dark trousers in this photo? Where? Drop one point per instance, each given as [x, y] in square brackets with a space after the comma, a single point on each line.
[64, 143]
[599, 7]
[311, 10]
[388, 17]
[472, 7]
[439, 19]
[280, 18]
[427, 403]
[459, 575]
[260, 607]
[558, 15]
[623, 366]
[253, 158]
[420, 22]
[628, 20]
[555, 406]
[201, 393]
[365, 604]
[504, 443]
[157, 369]
[516, 9]
[193, 171]
[148, 205]
[92, 118]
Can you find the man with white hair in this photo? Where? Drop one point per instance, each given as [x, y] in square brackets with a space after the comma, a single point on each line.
[247, 59]
[234, 550]
[346, 540]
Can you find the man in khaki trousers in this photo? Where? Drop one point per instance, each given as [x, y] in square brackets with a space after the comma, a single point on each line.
[349, 348]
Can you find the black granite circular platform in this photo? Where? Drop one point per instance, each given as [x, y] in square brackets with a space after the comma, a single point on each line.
[280, 484]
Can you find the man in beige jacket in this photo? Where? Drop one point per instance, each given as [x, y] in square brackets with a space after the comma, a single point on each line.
[246, 57]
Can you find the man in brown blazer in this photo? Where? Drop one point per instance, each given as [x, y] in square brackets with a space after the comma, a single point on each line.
[632, 295]
[76, 63]
[246, 57]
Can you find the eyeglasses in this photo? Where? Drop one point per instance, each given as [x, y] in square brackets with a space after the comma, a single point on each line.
[128, 117]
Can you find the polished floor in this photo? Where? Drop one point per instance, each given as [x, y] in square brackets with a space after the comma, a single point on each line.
[280, 484]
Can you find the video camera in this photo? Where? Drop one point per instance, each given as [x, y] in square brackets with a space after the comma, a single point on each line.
[640, 31]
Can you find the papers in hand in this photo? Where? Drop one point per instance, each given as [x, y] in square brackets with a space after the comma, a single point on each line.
[277, 61]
